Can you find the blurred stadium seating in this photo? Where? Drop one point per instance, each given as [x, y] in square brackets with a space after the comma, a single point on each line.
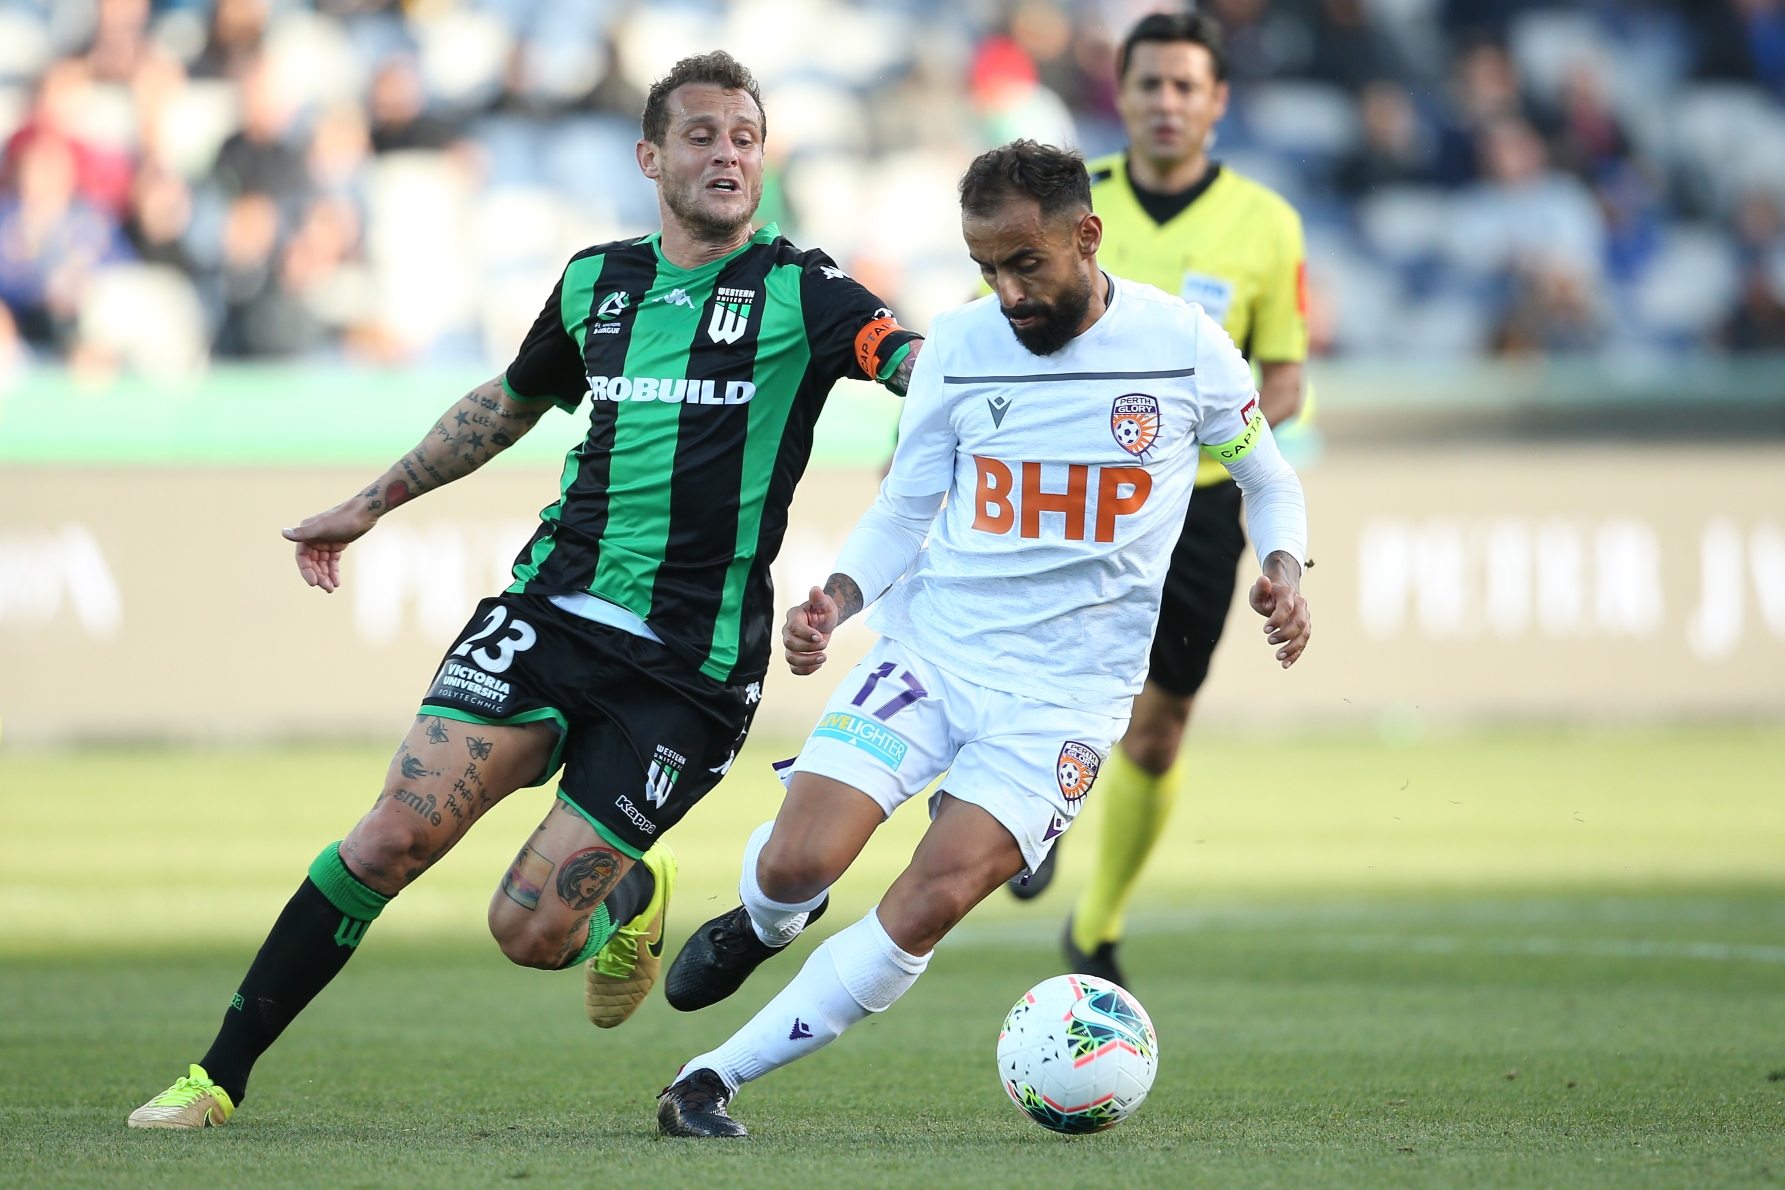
[364, 180]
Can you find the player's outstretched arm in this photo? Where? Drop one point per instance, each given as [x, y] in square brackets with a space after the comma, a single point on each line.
[1277, 596]
[485, 422]
[809, 626]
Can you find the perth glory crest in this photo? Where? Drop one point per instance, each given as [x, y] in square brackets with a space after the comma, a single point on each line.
[1077, 769]
[1134, 420]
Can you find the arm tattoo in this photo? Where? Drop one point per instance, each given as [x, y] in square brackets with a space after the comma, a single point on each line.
[587, 877]
[848, 595]
[899, 382]
[444, 456]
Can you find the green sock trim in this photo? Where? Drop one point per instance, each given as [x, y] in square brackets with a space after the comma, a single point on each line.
[343, 889]
[601, 928]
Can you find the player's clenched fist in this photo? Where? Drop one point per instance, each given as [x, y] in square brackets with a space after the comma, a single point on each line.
[808, 631]
[1276, 597]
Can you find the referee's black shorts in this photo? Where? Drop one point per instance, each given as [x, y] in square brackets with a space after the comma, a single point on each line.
[1198, 589]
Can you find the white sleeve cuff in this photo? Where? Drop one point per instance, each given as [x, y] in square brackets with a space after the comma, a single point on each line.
[1276, 512]
[886, 541]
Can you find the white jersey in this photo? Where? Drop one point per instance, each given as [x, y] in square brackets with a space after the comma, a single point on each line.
[1067, 478]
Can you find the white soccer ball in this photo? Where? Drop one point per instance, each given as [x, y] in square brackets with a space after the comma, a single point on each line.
[1077, 1054]
[1128, 431]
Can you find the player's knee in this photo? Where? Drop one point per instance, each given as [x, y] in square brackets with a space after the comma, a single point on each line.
[524, 942]
[1154, 752]
[791, 876]
[390, 848]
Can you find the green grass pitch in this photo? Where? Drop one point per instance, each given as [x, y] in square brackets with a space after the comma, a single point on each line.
[1507, 959]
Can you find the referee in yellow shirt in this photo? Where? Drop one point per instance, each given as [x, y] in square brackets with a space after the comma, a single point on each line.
[1175, 219]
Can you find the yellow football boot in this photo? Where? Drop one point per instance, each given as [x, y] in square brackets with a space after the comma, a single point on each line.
[194, 1101]
[623, 972]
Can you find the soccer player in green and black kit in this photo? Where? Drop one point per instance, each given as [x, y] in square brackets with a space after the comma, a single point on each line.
[630, 648]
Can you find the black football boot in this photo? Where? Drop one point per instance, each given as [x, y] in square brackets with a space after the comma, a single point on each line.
[1026, 886]
[695, 1106]
[1100, 962]
[718, 958]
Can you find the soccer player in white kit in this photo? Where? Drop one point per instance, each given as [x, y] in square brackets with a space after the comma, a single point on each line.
[1062, 419]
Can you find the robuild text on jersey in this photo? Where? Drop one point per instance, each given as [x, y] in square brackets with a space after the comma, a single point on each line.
[672, 391]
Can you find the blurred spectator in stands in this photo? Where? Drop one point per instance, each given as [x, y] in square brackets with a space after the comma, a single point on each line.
[1584, 133]
[237, 27]
[120, 40]
[1524, 214]
[12, 351]
[339, 148]
[65, 97]
[323, 271]
[1044, 33]
[259, 319]
[1635, 216]
[1485, 89]
[1011, 99]
[1758, 321]
[260, 158]
[1261, 43]
[1468, 20]
[1740, 39]
[51, 240]
[1350, 49]
[400, 119]
[160, 216]
[1393, 152]
[1554, 310]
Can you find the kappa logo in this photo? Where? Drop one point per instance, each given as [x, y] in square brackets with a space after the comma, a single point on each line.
[833, 272]
[1077, 769]
[613, 305]
[1134, 420]
[999, 407]
[675, 297]
[731, 314]
[660, 779]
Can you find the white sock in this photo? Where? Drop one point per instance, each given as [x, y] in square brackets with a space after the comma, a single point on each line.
[857, 971]
[777, 923]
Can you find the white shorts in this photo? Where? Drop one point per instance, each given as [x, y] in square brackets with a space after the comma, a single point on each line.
[897, 722]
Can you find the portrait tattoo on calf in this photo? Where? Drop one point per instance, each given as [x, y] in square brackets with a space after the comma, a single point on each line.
[526, 878]
[587, 877]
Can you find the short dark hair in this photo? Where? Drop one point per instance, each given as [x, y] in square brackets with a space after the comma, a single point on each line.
[718, 68]
[1055, 178]
[1195, 27]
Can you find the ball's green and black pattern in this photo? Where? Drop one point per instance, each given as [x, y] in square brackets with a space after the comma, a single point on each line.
[1077, 1054]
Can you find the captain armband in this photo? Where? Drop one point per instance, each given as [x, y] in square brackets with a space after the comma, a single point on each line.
[882, 335]
[1239, 448]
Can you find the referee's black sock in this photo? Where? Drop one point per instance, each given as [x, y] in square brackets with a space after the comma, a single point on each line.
[314, 937]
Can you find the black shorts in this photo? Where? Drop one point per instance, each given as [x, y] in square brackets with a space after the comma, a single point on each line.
[1198, 589]
[642, 733]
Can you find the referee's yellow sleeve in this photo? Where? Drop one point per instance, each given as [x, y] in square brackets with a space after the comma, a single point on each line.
[1280, 319]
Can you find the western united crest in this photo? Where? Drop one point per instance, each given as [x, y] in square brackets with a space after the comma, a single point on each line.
[1077, 769]
[731, 314]
[1134, 420]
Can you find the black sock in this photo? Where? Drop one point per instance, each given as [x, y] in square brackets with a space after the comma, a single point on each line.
[308, 946]
[631, 895]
